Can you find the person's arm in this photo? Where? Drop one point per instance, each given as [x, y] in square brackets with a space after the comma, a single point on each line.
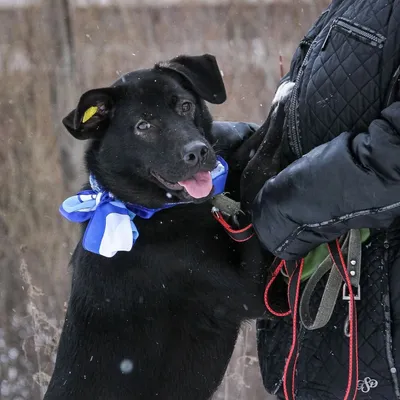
[350, 182]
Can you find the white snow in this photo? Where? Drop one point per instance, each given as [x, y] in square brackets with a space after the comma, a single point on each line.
[283, 91]
[126, 366]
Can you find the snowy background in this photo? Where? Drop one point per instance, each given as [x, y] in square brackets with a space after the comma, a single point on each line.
[50, 52]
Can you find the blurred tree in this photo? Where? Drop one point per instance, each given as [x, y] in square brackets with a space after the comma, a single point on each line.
[61, 62]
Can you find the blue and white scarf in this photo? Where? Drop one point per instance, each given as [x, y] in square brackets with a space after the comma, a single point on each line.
[111, 227]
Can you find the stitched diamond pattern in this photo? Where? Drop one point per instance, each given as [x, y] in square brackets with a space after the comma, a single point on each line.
[323, 361]
[324, 354]
[344, 88]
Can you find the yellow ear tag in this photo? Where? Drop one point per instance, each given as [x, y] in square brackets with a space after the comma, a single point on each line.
[89, 113]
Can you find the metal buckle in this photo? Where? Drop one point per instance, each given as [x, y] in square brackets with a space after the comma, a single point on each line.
[215, 210]
[346, 296]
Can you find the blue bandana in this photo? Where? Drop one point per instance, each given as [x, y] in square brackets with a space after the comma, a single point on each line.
[111, 227]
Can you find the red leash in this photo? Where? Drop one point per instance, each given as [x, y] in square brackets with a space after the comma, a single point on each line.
[294, 271]
[278, 265]
[338, 259]
[238, 235]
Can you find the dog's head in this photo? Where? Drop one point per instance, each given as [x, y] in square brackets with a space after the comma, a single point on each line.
[149, 131]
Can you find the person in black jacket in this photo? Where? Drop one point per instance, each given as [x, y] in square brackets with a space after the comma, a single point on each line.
[328, 162]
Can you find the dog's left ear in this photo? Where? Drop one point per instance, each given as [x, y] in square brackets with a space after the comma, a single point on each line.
[202, 73]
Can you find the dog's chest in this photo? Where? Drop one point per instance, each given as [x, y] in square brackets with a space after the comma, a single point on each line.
[185, 234]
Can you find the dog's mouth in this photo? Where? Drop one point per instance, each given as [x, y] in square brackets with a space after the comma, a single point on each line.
[198, 186]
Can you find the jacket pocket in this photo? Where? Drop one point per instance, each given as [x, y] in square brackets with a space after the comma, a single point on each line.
[355, 31]
[344, 75]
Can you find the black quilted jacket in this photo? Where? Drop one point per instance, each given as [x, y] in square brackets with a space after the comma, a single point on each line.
[342, 126]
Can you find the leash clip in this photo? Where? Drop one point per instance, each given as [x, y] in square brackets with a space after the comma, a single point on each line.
[215, 211]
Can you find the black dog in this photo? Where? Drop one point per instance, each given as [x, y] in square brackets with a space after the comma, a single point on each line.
[159, 321]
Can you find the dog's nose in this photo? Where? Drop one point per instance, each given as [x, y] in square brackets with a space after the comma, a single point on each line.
[195, 152]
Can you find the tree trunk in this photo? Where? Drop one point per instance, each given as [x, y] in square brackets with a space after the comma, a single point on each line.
[61, 63]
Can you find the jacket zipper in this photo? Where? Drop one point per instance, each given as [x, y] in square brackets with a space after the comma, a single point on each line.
[293, 128]
[355, 30]
[392, 87]
[306, 41]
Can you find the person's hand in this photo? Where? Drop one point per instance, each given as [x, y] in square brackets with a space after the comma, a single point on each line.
[227, 136]
[350, 182]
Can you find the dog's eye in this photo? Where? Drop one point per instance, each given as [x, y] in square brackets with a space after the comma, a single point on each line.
[143, 125]
[186, 106]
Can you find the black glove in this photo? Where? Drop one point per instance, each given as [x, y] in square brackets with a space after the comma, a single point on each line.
[350, 182]
[227, 136]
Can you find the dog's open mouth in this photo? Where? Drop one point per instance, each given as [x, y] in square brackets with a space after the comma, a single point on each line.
[198, 186]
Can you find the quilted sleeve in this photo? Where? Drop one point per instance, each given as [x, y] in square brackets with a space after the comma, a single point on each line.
[350, 182]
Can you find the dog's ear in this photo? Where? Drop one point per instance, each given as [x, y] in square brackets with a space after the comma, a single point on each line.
[92, 114]
[202, 73]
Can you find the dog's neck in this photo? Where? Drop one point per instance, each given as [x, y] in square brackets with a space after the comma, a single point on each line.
[111, 227]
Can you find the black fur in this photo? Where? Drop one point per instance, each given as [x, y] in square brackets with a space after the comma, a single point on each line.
[160, 321]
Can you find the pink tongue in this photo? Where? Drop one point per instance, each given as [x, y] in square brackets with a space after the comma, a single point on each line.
[199, 186]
